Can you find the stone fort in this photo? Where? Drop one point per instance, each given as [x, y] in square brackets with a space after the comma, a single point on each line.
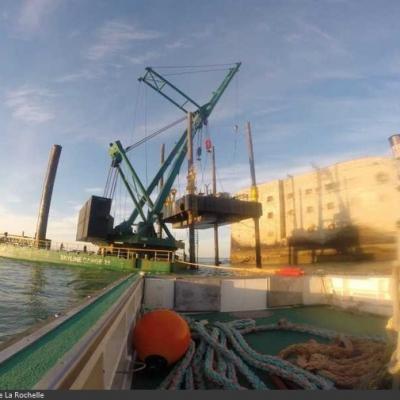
[343, 212]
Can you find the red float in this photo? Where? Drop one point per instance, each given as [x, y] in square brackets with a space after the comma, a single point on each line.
[208, 144]
[290, 271]
[161, 334]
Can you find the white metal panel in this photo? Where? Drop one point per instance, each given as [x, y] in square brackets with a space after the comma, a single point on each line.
[362, 287]
[316, 290]
[244, 294]
[364, 293]
[194, 294]
[285, 291]
[159, 293]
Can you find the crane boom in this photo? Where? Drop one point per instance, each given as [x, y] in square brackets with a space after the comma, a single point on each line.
[145, 230]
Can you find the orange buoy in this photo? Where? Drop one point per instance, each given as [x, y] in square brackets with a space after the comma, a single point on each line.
[161, 337]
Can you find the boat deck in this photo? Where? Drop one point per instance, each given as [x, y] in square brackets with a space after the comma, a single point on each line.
[273, 342]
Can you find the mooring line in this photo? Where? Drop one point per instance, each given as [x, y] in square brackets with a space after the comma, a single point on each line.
[264, 271]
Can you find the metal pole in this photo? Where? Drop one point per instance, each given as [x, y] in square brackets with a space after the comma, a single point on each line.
[254, 195]
[214, 177]
[162, 159]
[41, 227]
[301, 209]
[294, 202]
[319, 188]
[395, 145]
[190, 189]
[396, 309]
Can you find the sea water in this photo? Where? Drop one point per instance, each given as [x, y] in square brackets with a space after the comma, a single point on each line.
[31, 293]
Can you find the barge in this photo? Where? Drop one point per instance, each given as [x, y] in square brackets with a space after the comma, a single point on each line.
[120, 259]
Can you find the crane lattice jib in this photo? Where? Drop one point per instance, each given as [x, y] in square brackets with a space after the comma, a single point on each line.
[177, 155]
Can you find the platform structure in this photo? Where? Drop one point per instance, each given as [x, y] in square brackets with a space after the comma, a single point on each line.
[344, 239]
[208, 210]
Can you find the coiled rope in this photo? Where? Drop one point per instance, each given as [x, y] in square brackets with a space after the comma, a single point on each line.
[218, 354]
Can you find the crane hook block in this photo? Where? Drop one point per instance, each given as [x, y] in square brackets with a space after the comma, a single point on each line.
[199, 153]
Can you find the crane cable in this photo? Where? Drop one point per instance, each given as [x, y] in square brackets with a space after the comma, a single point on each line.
[195, 72]
[236, 126]
[145, 134]
[192, 66]
[137, 103]
[113, 183]
[154, 134]
[106, 188]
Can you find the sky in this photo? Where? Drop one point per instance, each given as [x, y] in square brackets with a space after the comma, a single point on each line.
[319, 82]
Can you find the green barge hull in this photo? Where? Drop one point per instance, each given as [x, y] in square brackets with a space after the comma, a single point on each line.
[83, 259]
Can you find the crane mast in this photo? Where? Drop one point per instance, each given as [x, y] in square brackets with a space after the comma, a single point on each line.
[150, 211]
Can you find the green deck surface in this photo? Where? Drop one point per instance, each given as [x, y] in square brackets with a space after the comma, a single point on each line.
[272, 342]
[26, 368]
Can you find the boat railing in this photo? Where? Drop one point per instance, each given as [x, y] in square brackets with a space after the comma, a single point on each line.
[25, 241]
[134, 253]
[242, 197]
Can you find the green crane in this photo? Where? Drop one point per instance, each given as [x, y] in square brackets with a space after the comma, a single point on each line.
[151, 211]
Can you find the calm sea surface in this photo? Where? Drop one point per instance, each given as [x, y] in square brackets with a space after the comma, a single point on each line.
[30, 293]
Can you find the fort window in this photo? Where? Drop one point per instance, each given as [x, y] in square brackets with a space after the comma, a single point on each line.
[381, 177]
[330, 206]
[308, 191]
[290, 196]
[354, 201]
[310, 209]
[331, 186]
[290, 212]
[270, 198]
[270, 215]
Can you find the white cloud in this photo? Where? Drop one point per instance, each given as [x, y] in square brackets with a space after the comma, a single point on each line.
[143, 58]
[206, 32]
[60, 228]
[32, 13]
[266, 110]
[77, 208]
[178, 44]
[85, 73]
[95, 190]
[16, 223]
[116, 36]
[12, 198]
[312, 33]
[30, 104]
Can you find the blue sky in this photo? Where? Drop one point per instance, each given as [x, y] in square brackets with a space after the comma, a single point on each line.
[319, 83]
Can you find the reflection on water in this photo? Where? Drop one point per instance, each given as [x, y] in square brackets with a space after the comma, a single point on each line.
[30, 293]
